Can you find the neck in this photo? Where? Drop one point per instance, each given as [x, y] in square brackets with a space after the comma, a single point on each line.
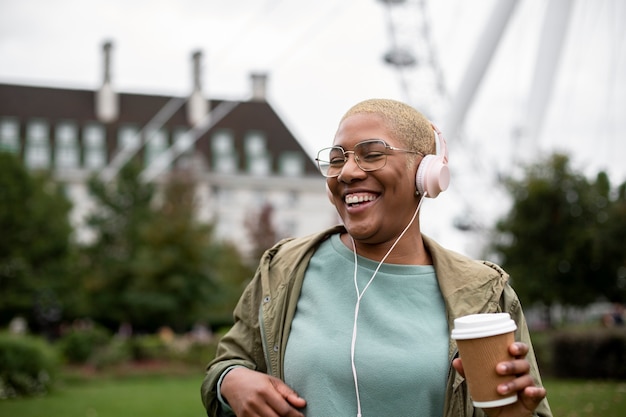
[407, 247]
[410, 250]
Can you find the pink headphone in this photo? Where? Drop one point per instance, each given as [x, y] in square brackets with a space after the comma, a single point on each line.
[433, 174]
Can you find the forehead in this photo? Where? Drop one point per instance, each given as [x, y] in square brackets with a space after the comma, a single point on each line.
[362, 126]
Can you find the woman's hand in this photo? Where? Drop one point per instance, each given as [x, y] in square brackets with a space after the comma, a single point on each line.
[528, 395]
[251, 393]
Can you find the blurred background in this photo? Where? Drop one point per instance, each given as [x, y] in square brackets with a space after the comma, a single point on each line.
[506, 81]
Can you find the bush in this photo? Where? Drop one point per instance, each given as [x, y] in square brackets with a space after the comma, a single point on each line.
[79, 344]
[149, 347]
[27, 366]
[115, 352]
[597, 353]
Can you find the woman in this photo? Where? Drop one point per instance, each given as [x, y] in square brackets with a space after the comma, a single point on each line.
[356, 319]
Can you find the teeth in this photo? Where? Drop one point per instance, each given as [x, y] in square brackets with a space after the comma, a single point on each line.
[355, 199]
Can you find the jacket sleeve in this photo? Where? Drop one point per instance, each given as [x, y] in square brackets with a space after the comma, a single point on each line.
[510, 303]
[241, 345]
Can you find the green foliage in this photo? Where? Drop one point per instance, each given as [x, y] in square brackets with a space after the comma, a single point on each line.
[35, 247]
[562, 241]
[122, 213]
[597, 353]
[153, 263]
[117, 351]
[79, 344]
[27, 366]
[149, 347]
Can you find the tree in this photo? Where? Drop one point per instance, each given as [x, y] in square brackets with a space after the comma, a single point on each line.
[153, 263]
[554, 240]
[122, 212]
[261, 230]
[35, 247]
[175, 267]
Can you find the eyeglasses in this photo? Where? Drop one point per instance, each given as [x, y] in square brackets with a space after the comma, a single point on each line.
[369, 155]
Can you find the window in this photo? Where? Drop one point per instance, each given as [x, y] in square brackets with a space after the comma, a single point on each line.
[156, 144]
[128, 138]
[37, 152]
[94, 146]
[257, 157]
[66, 146]
[223, 149]
[182, 142]
[9, 134]
[291, 164]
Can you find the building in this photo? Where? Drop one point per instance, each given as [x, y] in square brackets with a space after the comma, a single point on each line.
[241, 152]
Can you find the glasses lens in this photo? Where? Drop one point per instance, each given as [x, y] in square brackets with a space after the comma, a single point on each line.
[330, 161]
[371, 154]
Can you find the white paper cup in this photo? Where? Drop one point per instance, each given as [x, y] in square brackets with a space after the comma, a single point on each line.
[483, 341]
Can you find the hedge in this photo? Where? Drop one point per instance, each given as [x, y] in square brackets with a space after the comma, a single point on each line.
[591, 354]
[27, 365]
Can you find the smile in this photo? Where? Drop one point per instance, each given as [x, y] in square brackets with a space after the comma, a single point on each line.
[352, 199]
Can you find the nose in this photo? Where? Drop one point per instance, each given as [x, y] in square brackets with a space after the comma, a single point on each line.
[350, 170]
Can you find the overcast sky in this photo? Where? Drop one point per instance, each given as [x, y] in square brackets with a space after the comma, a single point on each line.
[323, 56]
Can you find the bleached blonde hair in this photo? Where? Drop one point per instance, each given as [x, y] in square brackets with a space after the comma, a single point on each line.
[405, 123]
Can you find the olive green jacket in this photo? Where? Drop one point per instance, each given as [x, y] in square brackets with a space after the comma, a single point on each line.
[266, 309]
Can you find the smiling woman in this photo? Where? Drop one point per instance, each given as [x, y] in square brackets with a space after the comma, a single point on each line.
[312, 335]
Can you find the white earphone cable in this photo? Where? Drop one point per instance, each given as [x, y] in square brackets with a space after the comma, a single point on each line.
[360, 295]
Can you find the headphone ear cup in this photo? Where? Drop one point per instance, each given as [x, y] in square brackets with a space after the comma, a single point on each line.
[433, 176]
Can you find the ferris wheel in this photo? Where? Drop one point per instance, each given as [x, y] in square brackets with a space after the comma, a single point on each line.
[413, 56]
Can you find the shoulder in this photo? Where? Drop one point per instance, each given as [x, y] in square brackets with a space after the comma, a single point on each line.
[449, 261]
[292, 249]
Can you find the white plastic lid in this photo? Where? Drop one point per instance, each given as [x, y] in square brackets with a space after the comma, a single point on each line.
[475, 326]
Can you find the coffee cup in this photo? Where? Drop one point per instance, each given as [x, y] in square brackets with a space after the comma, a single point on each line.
[483, 341]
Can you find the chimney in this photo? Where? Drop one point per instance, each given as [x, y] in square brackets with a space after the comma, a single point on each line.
[198, 107]
[259, 86]
[107, 104]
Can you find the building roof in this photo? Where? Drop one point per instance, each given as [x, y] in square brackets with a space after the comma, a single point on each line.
[61, 105]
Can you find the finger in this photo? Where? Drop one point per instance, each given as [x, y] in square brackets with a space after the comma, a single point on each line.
[458, 366]
[532, 396]
[518, 349]
[288, 394]
[515, 367]
[515, 385]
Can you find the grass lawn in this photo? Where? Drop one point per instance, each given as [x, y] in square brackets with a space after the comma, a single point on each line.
[157, 396]
[586, 398]
[179, 396]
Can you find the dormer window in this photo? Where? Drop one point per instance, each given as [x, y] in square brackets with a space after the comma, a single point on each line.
[257, 157]
[93, 146]
[37, 152]
[223, 150]
[66, 153]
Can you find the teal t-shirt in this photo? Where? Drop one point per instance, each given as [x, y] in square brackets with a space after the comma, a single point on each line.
[401, 352]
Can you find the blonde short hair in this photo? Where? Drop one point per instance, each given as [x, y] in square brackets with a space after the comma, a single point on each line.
[405, 123]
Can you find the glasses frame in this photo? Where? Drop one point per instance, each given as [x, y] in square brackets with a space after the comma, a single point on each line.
[345, 153]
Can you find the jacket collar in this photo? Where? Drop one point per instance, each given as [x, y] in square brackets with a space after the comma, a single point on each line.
[468, 286]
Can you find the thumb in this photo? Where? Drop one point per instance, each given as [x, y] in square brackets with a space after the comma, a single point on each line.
[458, 366]
[289, 394]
